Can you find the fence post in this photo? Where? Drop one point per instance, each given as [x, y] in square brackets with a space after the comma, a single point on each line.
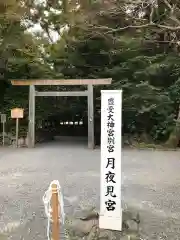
[55, 213]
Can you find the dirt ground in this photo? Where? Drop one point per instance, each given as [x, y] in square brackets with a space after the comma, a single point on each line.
[151, 185]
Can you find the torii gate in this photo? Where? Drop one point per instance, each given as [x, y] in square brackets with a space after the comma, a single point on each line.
[33, 94]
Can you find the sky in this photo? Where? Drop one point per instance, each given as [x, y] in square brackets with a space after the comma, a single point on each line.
[53, 34]
[37, 28]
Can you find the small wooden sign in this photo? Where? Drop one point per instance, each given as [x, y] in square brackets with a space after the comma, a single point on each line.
[3, 118]
[17, 113]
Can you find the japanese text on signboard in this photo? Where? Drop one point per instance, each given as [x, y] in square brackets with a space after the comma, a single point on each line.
[110, 161]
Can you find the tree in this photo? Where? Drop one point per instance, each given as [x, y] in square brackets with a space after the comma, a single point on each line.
[145, 70]
[102, 39]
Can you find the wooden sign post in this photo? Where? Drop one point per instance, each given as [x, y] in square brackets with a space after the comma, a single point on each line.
[110, 186]
[55, 213]
[17, 113]
[3, 121]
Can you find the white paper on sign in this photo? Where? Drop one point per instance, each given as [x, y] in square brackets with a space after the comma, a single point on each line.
[110, 182]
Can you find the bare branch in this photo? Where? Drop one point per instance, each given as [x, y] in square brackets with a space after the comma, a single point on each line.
[172, 13]
[112, 30]
[140, 23]
[168, 5]
[151, 14]
[175, 19]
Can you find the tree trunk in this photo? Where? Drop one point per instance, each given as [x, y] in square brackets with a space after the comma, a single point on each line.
[65, 6]
[174, 137]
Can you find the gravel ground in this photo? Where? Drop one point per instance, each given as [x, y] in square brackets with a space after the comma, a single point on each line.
[151, 185]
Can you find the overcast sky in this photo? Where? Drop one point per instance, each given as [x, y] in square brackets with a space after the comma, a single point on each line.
[37, 28]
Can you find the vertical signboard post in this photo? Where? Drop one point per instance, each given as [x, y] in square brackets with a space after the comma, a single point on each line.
[55, 213]
[3, 121]
[17, 113]
[110, 185]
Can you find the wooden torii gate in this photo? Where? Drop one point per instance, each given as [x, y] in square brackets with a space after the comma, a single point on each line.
[33, 94]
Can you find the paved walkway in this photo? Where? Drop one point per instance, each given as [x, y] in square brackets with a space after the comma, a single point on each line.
[151, 184]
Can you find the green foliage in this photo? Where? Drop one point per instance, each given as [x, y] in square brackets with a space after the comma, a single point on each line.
[146, 69]
[147, 80]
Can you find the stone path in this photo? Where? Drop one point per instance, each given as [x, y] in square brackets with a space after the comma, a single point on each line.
[151, 185]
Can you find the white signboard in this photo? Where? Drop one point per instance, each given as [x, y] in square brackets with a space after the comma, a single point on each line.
[3, 118]
[110, 193]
